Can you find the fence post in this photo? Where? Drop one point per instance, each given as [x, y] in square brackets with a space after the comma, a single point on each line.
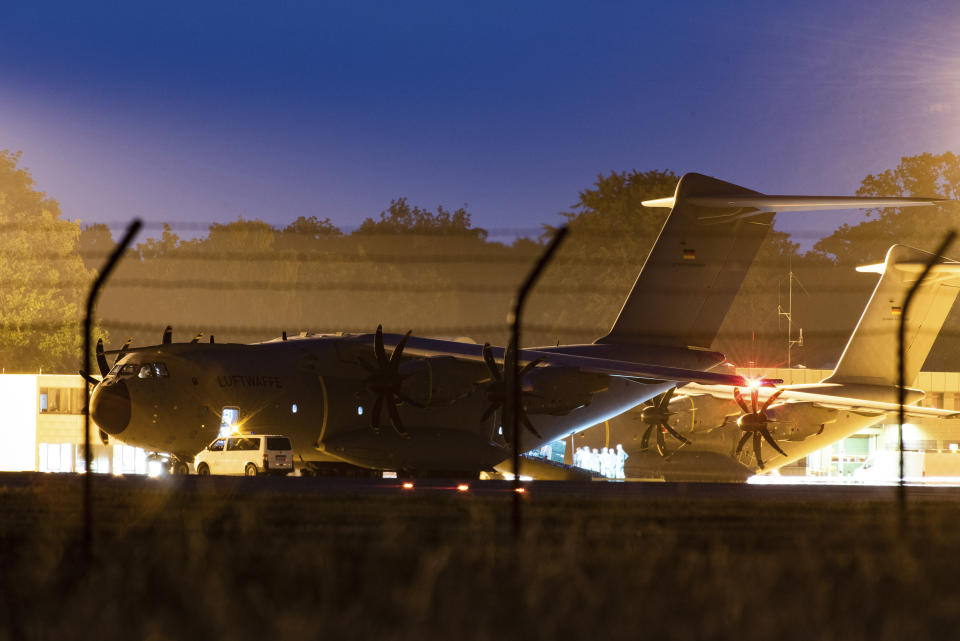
[132, 230]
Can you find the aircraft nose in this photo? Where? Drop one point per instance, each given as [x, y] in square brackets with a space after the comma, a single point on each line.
[110, 406]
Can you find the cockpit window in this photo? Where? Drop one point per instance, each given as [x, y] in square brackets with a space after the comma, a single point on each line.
[141, 370]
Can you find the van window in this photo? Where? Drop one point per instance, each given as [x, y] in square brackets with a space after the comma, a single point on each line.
[243, 443]
[216, 446]
[278, 443]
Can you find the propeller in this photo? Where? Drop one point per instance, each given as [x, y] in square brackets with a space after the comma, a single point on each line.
[496, 387]
[754, 423]
[385, 383]
[167, 335]
[656, 414]
[102, 363]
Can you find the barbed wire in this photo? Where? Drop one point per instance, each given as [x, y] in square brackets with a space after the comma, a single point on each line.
[399, 286]
[192, 328]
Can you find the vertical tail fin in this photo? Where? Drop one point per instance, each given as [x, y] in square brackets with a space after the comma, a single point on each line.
[870, 356]
[695, 268]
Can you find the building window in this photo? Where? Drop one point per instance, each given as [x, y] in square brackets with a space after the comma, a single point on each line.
[61, 400]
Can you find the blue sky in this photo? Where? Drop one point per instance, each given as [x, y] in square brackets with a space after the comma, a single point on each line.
[206, 111]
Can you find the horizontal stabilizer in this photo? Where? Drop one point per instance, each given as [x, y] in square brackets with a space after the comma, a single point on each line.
[762, 202]
[939, 271]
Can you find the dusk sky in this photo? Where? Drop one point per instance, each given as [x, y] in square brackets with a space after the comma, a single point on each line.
[205, 111]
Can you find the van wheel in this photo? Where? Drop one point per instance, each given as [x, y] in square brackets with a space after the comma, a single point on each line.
[203, 470]
[250, 470]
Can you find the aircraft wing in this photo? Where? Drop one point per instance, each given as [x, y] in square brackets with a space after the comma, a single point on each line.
[427, 347]
[828, 401]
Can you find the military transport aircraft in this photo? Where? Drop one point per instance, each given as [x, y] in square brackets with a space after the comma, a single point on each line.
[710, 426]
[430, 406]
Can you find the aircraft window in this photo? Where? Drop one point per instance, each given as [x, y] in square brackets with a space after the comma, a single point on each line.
[216, 446]
[278, 443]
[160, 369]
[146, 371]
[129, 369]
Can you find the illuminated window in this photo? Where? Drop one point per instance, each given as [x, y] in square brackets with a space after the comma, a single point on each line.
[161, 369]
[61, 400]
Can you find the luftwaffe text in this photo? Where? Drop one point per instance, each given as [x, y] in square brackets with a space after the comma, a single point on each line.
[250, 381]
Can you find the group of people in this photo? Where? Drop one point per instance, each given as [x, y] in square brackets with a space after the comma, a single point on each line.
[606, 462]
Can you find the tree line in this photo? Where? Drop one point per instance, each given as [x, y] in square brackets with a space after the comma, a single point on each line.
[431, 271]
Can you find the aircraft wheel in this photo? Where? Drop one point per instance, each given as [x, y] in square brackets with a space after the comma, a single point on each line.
[250, 470]
[180, 468]
[203, 469]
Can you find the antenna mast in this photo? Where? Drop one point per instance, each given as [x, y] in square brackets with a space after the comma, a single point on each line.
[788, 314]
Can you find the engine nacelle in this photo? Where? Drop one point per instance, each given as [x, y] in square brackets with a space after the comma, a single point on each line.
[701, 412]
[558, 390]
[798, 421]
[439, 380]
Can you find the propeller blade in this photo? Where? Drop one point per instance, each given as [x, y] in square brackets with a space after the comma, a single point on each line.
[661, 446]
[645, 441]
[167, 335]
[738, 397]
[409, 401]
[398, 351]
[756, 449]
[665, 399]
[768, 437]
[526, 423]
[530, 366]
[90, 379]
[104, 437]
[395, 419]
[378, 346]
[211, 339]
[743, 441]
[755, 398]
[123, 350]
[101, 358]
[283, 335]
[491, 364]
[196, 339]
[491, 408]
[375, 415]
[770, 401]
[674, 433]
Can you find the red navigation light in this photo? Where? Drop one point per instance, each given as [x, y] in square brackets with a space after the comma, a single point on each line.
[520, 490]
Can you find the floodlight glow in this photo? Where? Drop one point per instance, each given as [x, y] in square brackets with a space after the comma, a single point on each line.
[408, 485]
[463, 487]
[359, 410]
[520, 490]
[154, 468]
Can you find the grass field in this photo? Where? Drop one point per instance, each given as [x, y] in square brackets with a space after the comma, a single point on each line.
[291, 559]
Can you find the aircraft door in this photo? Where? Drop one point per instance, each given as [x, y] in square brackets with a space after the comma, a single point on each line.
[229, 419]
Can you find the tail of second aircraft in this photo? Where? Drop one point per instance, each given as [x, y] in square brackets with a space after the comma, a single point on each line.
[695, 269]
[871, 354]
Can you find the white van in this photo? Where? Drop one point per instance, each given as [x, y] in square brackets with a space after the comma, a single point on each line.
[247, 454]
